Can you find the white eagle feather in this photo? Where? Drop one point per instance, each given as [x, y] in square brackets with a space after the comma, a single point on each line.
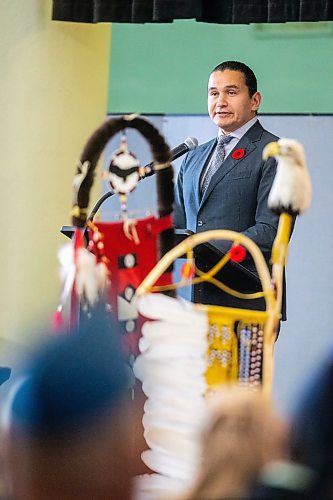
[291, 190]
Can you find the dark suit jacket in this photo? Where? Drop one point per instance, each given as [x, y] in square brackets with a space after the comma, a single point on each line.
[235, 199]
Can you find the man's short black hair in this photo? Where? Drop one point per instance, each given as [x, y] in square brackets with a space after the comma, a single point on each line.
[250, 77]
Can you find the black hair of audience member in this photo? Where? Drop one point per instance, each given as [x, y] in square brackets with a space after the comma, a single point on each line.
[284, 480]
[4, 374]
[308, 474]
[312, 428]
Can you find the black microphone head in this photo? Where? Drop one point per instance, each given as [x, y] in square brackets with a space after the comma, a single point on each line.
[191, 143]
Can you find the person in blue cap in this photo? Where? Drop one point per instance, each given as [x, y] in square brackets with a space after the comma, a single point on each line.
[70, 421]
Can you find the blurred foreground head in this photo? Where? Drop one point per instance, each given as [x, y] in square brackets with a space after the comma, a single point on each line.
[67, 433]
[242, 434]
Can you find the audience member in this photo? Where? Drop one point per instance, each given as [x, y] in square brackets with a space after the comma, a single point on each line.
[68, 426]
[309, 472]
[4, 374]
[243, 433]
[312, 429]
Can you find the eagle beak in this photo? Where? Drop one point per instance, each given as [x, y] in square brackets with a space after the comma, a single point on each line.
[272, 149]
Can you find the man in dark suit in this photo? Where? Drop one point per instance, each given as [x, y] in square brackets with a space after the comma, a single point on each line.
[229, 189]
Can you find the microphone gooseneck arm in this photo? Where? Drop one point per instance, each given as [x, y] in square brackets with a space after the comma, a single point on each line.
[97, 205]
[189, 144]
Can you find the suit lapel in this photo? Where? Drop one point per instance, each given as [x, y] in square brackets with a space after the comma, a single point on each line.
[198, 166]
[248, 143]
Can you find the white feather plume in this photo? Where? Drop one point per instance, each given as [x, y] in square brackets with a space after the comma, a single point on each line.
[66, 270]
[85, 280]
[171, 367]
[91, 278]
[102, 274]
[291, 190]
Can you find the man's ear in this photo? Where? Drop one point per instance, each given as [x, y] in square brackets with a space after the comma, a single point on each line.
[256, 100]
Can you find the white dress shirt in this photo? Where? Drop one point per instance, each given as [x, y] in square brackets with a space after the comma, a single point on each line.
[236, 137]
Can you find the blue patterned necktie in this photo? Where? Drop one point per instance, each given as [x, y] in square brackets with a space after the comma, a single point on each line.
[217, 160]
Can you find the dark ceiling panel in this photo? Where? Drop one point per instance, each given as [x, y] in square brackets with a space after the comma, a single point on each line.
[212, 11]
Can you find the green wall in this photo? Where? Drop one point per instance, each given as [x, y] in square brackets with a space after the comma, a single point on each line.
[163, 68]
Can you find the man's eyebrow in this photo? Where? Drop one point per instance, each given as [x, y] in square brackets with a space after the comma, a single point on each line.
[226, 87]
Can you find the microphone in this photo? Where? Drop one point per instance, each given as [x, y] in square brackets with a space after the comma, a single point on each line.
[188, 145]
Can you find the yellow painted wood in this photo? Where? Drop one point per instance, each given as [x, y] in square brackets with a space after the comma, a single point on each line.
[53, 91]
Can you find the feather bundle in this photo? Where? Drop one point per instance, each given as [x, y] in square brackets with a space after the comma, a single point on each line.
[172, 367]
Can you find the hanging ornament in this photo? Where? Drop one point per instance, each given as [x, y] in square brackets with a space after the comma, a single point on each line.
[123, 172]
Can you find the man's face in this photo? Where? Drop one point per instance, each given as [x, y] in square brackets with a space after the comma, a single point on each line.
[229, 103]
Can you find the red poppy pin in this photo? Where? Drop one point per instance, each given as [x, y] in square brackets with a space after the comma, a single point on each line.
[238, 153]
[237, 253]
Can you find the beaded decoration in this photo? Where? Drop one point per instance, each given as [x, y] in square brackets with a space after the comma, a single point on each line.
[244, 355]
[250, 356]
[234, 357]
[222, 351]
